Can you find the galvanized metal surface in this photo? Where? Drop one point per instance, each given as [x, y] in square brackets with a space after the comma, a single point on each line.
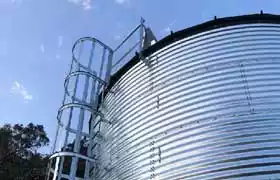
[208, 107]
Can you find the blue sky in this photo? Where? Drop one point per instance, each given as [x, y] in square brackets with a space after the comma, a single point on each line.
[37, 37]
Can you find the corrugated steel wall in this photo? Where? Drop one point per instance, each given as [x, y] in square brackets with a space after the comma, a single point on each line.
[207, 108]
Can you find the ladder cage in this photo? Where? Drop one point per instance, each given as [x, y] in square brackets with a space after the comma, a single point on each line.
[77, 147]
[89, 74]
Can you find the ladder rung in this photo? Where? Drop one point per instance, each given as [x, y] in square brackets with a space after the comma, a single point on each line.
[94, 146]
[96, 135]
[96, 124]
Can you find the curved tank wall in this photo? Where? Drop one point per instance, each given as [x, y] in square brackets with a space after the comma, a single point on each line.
[208, 107]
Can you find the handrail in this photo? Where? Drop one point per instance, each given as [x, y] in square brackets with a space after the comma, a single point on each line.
[72, 154]
[118, 47]
[129, 51]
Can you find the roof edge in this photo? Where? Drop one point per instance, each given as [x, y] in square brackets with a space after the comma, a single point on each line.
[206, 26]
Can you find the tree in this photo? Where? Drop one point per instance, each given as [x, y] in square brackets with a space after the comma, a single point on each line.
[19, 158]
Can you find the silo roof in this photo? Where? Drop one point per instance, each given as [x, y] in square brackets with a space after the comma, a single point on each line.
[261, 18]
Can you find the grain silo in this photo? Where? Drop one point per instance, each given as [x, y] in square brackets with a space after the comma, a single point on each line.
[202, 103]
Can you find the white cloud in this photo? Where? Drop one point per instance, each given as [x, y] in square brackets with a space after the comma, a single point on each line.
[16, 1]
[59, 41]
[86, 4]
[122, 1]
[42, 48]
[117, 37]
[167, 29]
[18, 88]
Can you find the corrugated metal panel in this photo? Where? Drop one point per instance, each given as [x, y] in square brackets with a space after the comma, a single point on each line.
[207, 108]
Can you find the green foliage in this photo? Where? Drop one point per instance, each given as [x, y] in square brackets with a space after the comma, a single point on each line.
[18, 151]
